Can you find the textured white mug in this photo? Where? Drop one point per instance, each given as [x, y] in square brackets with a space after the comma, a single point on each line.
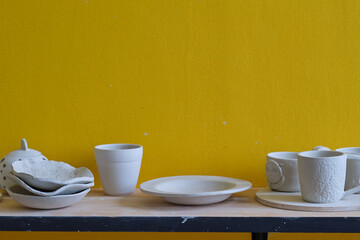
[119, 167]
[322, 176]
[352, 166]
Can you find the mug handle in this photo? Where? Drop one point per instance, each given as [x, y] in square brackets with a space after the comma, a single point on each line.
[352, 191]
[321, 148]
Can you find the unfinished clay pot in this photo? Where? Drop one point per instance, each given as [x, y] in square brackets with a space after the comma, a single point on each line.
[282, 172]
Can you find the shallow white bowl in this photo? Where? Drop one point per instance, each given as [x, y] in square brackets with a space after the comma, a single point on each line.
[194, 190]
[28, 199]
[50, 175]
[67, 189]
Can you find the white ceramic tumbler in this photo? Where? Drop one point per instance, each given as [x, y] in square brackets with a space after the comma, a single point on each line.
[119, 167]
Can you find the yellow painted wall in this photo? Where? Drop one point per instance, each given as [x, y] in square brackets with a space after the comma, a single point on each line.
[207, 87]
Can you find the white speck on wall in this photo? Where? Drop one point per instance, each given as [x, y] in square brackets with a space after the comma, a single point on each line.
[224, 122]
[145, 134]
[85, 1]
[256, 142]
[110, 85]
[113, 16]
[277, 137]
[204, 125]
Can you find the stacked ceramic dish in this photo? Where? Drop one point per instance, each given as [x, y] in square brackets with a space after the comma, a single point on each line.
[33, 181]
[48, 184]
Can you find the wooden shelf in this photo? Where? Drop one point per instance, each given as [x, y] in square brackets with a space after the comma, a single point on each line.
[143, 213]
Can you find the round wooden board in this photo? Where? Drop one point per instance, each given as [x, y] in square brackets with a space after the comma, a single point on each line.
[294, 201]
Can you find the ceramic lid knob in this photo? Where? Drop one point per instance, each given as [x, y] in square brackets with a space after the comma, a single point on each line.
[24, 151]
[23, 144]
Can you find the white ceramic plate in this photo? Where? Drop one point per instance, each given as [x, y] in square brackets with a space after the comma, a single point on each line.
[67, 189]
[28, 199]
[194, 190]
[50, 175]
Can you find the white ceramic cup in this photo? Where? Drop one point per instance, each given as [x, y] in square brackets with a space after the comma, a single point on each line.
[282, 171]
[352, 178]
[352, 167]
[119, 167]
[322, 176]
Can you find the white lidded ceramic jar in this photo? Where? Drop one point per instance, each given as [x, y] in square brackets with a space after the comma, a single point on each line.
[23, 153]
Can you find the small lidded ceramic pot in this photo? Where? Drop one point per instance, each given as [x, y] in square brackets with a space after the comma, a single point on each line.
[23, 153]
[282, 171]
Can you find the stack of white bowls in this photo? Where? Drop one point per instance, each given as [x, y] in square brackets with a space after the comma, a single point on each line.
[48, 184]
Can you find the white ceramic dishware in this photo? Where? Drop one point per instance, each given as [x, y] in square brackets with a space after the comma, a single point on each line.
[30, 200]
[352, 166]
[119, 167]
[50, 175]
[322, 176]
[18, 155]
[194, 190]
[282, 171]
[63, 190]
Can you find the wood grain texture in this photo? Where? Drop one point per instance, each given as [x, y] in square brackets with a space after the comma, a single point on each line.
[96, 203]
[294, 201]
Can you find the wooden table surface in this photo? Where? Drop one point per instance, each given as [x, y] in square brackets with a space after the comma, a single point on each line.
[144, 213]
[96, 203]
